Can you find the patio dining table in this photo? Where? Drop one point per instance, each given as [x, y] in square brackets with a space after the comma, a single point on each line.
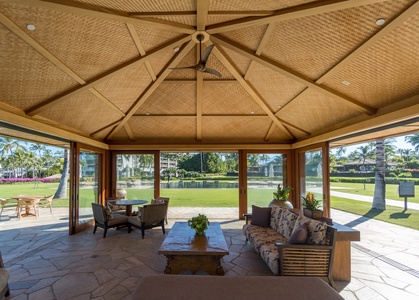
[27, 201]
[129, 203]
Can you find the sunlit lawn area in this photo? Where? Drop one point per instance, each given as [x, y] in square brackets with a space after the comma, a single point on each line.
[358, 188]
[392, 214]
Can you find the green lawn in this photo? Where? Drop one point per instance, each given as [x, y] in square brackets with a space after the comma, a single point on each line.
[392, 214]
[358, 188]
[229, 198]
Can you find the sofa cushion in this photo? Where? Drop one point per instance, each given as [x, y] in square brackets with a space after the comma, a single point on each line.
[316, 230]
[276, 212]
[261, 216]
[299, 235]
[287, 223]
[269, 253]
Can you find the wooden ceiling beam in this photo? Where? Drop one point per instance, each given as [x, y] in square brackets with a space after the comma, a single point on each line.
[100, 13]
[129, 132]
[300, 11]
[251, 91]
[234, 14]
[105, 76]
[202, 7]
[141, 49]
[293, 75]
[153, 86]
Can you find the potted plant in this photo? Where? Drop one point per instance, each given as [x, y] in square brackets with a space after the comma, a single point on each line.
[312, 206]
[199, 224]
[281, 197]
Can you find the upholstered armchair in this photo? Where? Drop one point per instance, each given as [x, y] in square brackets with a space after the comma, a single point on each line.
[104, 218]
[149, 216]
[161, 200]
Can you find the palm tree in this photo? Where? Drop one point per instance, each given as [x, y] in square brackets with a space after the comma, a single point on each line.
[362, 153]
[7, 145]
[413, 140]
[379, 200]
[61, 191]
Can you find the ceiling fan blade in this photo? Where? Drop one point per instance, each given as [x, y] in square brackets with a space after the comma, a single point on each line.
[211, 71]
[184, 68]
[206, 54]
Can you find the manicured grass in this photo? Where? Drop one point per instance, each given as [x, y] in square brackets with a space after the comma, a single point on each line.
[358, 188]
[392, 214]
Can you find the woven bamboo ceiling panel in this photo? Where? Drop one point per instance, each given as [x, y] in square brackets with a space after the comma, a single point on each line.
[135, 72]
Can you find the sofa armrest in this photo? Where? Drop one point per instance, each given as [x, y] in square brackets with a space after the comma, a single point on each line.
[307, 260]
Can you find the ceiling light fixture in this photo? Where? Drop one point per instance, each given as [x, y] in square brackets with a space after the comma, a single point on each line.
[380, 22]
[346, 82]
[176, 49]
[30, 27]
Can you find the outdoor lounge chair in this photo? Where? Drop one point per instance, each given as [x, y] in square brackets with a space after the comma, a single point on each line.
[105, 219]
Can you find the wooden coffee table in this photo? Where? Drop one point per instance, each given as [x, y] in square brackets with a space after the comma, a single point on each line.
[187, 251]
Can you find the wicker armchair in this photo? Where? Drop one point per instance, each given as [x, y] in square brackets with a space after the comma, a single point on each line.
[308, 260]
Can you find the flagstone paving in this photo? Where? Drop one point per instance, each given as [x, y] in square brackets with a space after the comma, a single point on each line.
[46, 263]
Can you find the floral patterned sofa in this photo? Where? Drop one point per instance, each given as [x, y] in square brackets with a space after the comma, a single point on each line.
[290, 243]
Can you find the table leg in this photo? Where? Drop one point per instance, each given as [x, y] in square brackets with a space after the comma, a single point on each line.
[128, 210]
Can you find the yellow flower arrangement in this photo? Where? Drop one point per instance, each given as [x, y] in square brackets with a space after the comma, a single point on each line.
[310, 202]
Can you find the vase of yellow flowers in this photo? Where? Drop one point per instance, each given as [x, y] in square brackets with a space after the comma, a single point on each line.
[199, 224]
[311, 206]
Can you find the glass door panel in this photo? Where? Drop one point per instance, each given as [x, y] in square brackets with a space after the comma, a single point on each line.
[88, 185]
[135, 176]
[264, 173]
[312, 179]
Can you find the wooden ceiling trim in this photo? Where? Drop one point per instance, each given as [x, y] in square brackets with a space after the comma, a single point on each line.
[154, 85]
[300, 11]
[129, 131]
[141, 49]
[293, 75]
[252, 92]
[198, 147]
[202, 7]
[107, 102]
[105, 127]
[96, 12]
[234, 14]
[207, 81]
[105, 76]
[199, 102]
[259, 50]
[368, 43]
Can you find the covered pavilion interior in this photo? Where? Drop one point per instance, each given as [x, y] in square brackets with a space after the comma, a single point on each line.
[295, 76]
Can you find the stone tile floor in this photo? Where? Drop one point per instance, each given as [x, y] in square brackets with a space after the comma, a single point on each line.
[45, 263]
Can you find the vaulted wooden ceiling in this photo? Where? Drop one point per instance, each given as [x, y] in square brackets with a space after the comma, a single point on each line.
[293, 72]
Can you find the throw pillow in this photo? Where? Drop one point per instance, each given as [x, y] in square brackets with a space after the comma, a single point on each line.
[287, 223]
[261, 216]
[316, 230]
[157, 201]
[299, 236]
[275, 216]
[108, 212]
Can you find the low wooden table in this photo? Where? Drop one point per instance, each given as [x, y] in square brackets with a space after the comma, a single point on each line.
[187, 251]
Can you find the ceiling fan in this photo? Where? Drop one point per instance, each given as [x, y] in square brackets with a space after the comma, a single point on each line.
[201, 65]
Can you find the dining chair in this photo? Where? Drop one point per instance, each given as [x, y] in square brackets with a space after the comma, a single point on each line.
[3, 202]
[159, 200]
[46, 202]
